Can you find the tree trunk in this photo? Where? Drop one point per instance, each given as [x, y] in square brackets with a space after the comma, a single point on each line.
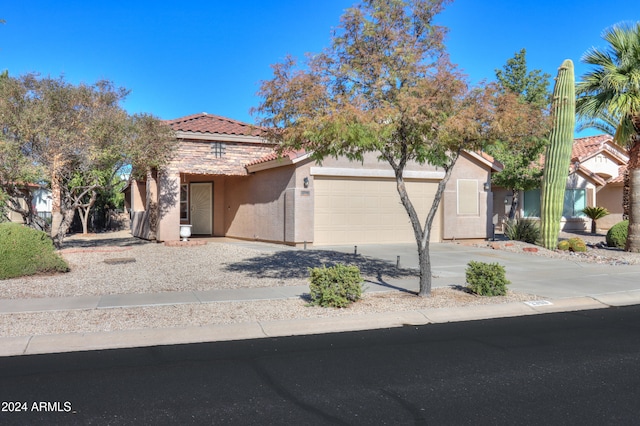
[84, 218]
[514, 204]
[593, 226]
[425, 269]
[85, 209]
[423, 248]
[633, 238]
[56, 202]
[66, 218]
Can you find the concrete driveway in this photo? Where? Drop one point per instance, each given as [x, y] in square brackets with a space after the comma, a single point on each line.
[532, 274]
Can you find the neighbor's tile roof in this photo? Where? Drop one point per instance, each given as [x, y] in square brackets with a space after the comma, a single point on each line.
[584, 148]
[214, 124]
[588, 146]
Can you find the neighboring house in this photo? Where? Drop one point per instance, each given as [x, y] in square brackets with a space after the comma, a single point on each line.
[226, 180]
[596, 178]
[41, 200]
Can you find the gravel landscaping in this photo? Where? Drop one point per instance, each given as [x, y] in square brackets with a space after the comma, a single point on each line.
[118, 264]
[597, 250]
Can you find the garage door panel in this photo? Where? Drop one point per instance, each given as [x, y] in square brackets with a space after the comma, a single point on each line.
[367, 210]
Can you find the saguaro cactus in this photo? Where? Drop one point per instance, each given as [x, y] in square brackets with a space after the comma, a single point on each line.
[556, 164]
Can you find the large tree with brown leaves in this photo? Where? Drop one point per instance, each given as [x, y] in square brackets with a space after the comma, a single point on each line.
[386, 85]
[72, 138]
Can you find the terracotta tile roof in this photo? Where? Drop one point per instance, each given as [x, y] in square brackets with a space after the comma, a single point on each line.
[292, 155]
[587, 147]
[214, 124]
[26, 185]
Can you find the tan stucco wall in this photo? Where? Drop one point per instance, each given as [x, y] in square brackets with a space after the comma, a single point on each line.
[371, 162]
[168, 205]
[303, 201]
[610, 197]
[219, 210]
[603, 164]
[274, 205]
[461, 226]
[453, 225]
[501, 206]
[256, 206]
[17, 217]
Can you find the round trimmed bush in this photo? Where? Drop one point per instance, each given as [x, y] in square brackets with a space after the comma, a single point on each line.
[26, 251]
[617, 235]
[486, 279]
[335, 287]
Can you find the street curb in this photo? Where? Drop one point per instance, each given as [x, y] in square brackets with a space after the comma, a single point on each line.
[625, 298]
[74, 342]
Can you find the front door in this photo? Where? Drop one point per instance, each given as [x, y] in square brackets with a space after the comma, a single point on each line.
[201, 208]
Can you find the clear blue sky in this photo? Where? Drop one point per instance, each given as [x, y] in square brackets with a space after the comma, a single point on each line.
[180, 58]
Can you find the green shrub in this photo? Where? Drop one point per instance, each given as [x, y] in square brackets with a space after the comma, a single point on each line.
[337, 286]
[25, 251]
[564, 245]
[577, 244]
[526, 230]
[617, 235]
[486, 279]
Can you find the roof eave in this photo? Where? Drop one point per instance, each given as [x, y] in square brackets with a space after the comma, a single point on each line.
[495, 165]
[221, 137]
[277, 162]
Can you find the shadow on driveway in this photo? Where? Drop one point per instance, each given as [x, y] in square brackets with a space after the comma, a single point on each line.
[296, 264]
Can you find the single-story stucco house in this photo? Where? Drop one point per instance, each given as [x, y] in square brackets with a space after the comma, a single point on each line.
[40, 199]
[226, 180]
[595, 178]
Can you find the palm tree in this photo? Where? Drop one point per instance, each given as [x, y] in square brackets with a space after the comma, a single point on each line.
[606, 123]
[595, 213]
[613, 87]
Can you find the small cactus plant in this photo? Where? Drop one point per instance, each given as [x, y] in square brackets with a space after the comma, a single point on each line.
[558, 155]
[573, 244]
[577, 245]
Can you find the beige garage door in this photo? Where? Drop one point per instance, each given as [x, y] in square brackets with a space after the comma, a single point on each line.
[368, 210]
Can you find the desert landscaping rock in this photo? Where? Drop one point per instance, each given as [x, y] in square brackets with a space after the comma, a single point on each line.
[159, 268]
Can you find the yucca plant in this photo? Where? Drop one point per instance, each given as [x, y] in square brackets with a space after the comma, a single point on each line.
[595, 213]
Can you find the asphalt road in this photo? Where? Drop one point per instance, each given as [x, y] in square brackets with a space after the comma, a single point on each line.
[569, 368]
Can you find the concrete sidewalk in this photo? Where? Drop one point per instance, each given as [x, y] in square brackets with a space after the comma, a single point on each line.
[565, 286]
